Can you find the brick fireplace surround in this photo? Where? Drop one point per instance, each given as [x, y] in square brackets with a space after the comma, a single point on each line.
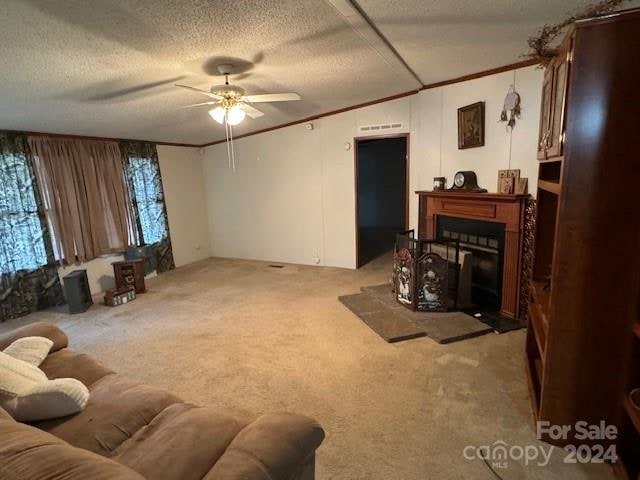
[488, 207]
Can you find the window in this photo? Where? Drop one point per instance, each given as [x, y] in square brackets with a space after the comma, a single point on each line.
[146, 189]
[22, 244]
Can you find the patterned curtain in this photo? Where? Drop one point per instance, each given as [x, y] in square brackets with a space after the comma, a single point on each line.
[142, 172]
[28, 272]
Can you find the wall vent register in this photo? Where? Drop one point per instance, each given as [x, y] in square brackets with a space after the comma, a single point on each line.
[379, 127]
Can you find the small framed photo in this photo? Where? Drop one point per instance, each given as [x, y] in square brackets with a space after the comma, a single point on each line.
[523, 186]
[439, 183]
[508, 181]
[471, 126]
[506, 185]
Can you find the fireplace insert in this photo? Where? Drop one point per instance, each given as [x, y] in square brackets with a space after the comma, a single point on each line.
[486, 242]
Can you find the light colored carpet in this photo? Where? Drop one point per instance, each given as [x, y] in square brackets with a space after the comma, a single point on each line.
[246, 339]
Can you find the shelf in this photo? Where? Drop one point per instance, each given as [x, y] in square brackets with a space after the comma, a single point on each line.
[541, 297]
[538, 309]
[551, 160]
[538, 323]
[548, 186]
[534, 370]
[632, 412]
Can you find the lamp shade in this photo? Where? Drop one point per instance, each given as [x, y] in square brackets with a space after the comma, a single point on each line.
[218, 114]
[235, 115]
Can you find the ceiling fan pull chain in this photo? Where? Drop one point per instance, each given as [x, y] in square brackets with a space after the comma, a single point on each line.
[233, 153]
[226, 133]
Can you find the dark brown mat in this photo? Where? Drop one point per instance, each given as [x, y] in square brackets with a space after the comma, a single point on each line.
[390, 325]
[377, 307]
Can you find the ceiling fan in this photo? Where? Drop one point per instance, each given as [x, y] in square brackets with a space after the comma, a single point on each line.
[231, 105]
[231, 102]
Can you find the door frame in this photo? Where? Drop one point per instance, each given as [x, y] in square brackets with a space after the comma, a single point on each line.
[356, 141]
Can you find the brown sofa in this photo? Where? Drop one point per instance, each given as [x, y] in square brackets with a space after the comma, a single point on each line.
[133, 431]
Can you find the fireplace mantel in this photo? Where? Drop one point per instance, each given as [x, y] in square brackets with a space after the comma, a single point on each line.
[488, 207]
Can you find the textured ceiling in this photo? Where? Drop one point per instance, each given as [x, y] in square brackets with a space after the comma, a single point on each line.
[441, 40]
[107, 67]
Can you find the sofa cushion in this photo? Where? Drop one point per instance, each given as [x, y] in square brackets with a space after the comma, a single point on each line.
[183, 442]
[69, 364]
[116, 410]
[37, 329]
[276, 445]
[4, 415]
[28, 453]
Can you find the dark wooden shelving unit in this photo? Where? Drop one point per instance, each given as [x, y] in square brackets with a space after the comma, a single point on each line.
[583, 340]
[629, 444]
[636, 329]
[632, 412]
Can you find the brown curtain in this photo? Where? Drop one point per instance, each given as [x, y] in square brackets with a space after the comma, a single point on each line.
[85, 197]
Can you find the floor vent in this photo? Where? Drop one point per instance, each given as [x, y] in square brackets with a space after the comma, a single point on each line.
[380, 127]
[276, 266]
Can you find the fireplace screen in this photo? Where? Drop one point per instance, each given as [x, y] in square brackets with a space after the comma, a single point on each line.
[422, 274]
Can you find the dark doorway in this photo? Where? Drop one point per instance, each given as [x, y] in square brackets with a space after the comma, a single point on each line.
[382, 202]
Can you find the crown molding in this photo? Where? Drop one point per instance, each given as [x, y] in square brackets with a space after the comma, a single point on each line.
[465, 78]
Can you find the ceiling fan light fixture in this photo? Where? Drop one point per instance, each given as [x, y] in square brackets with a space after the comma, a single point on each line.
[218, 114]
[235, 115]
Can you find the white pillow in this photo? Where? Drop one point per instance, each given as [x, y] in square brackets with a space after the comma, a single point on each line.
[32, 350]
[51, 399]
[28, 395]
[18, 377]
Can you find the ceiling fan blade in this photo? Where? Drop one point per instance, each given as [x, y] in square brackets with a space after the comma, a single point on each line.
[272, 97]
[204, 92]
[249, 110]
[200, 104]
[129, 91]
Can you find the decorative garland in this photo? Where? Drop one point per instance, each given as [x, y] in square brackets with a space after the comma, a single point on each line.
[540, 42]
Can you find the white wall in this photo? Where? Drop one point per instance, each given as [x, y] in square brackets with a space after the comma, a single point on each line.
[184, 191]
[293, 192]
[183, 184]
[434, 150]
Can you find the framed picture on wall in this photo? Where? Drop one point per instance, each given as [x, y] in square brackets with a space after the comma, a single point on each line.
[471, 126]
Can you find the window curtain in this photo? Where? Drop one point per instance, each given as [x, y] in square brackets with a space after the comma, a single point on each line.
[28, 274]
[142, 171]
[86, 201]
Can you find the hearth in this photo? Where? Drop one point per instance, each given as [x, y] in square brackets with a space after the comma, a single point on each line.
[485, 240]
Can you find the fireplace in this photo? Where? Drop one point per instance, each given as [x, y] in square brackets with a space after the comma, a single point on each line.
[485, 241]
[476, 219]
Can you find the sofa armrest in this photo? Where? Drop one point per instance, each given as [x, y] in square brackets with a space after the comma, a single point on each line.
[277, 446]
[26, 452]
[38, 329]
